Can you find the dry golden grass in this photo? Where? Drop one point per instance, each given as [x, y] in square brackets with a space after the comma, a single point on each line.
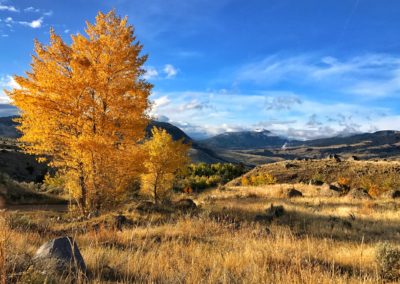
[318, 240]
[3, 241]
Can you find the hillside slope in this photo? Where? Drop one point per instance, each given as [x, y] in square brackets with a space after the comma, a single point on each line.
[383, 175]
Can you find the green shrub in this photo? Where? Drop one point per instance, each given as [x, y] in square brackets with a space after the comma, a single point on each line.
[201, 176]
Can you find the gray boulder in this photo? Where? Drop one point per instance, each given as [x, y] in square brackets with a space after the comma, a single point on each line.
[59, 256]
[294, 193]
[392, 194]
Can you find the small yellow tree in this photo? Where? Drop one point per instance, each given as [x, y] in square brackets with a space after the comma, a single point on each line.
[83, 108]
[164, 158]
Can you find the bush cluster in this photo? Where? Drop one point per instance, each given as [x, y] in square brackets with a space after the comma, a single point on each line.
[259, 179]
[200, 176]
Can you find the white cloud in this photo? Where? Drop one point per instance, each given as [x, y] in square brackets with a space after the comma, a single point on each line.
[154, 73]
[8, 8]
[170, 71]
[151, 73]
[7, 82]
[202, 114]
[159, 103]
[35, 24]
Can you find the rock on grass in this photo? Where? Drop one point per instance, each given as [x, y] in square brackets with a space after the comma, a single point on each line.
[59, 256]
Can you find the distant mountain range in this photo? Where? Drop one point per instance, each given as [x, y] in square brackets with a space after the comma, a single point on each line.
[257, 147]
[245, 140]
[376, 138]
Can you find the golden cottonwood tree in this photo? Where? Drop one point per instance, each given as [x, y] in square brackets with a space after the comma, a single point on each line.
[83, 108]
[164, 158]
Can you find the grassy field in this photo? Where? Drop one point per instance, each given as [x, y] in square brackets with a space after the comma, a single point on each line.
[317, 240]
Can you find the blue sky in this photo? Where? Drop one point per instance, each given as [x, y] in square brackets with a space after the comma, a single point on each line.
[301, 68]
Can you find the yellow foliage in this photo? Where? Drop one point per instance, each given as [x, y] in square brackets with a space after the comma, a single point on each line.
[259, 179]
[374, 191]
[188, 190]
[344, 182]
[164, 158]
[83, 108]
[245, 181]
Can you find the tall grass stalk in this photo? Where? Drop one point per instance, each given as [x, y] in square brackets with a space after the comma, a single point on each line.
[4, 233]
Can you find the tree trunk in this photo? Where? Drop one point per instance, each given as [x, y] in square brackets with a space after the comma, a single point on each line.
[83, 199]
[155, 194]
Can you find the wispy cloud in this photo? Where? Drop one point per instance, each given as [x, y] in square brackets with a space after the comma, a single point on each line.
[32, 9]
[373, 75]
[8, 8]
[37, 10]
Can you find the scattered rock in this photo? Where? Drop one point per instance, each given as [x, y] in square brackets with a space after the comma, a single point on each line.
[329, 190]
[392, 194]
[354, 158]
[337, 158]
[294, 193]
[59, 256]
[290, 165]
[185, 204]
[316, 182]
[335, 186]
[358, 193]
[334, 157]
